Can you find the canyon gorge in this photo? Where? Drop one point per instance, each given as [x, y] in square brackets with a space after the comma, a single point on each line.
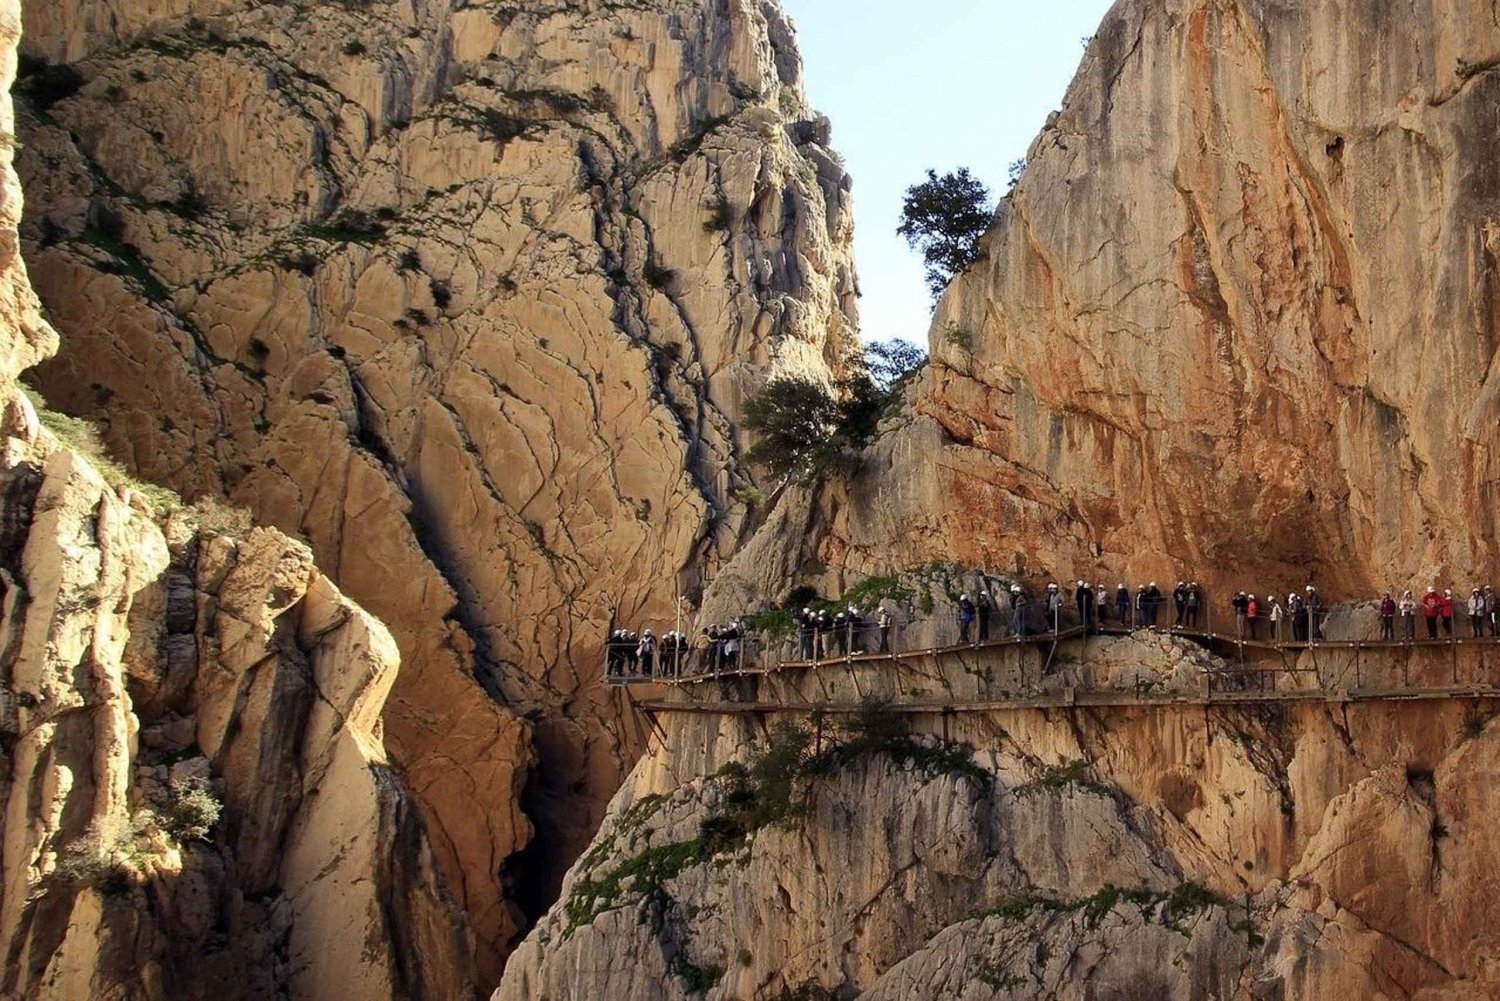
[419, 338]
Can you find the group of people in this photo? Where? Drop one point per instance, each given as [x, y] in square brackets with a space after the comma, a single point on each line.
[1144, 607]
[831, 631]
[1304, 612]
[826, 632]
[674, 654]
[1437, 609]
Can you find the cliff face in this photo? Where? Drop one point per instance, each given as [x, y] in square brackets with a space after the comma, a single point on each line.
[1301, 851]
[468, 296]
[196, 799]
[1237, 320]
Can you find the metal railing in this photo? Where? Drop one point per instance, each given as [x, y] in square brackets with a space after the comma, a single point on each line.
[1039, 621]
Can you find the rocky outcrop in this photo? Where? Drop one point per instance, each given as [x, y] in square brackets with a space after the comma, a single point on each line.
[1297, 851]
[1236, 321]
[470, 296]
[197, 800]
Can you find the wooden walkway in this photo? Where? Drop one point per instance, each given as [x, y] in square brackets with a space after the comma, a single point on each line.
[1210, 693]
[1208, 639]
[1097, 698]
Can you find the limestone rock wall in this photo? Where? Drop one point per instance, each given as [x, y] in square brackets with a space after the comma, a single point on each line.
[1237, 320]
[148, 671]
[468, 295]
[1300, 851]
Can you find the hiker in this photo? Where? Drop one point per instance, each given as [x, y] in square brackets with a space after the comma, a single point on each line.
[965, 618]
[1314, 614]
[1179, 602]
[1431, 603]
[986, 609]
[1445, 611]
[806, 627]
[855, 623]
[1252, 614]
[1139, 618]
[1296, 610]
[1476, 613]
[1018, 604]
[729, 637]
[1491, 613]
[1190, 605]
[821, 625]
[1054, 606]
[1388, 617]
[646, 651]
[1101, 598]
[1153, 603]
[1407, 608]
[1083, 597]
[1241, 605]
[1122, 604]
[883, 623]
[1278, 613]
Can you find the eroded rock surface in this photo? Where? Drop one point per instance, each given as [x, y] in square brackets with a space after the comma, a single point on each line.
[147, 674]
[1236, 322]
[470, 296]
[1298, 851]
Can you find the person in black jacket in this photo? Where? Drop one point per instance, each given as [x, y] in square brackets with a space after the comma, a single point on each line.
[1179, 602]
[986, 606]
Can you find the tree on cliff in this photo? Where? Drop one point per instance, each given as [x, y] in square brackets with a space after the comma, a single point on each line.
[805, 429]
[944, 217]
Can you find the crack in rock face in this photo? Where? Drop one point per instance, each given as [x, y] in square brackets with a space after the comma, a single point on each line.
[470, 299]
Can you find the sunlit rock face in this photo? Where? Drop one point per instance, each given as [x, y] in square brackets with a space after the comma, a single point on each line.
[1237, 320]
[468, 297]
[195, 799]
[1292, 851]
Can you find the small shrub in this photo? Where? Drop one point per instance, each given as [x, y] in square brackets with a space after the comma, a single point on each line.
[959, 337]
[191, 204]
[719, 215]
[1473, 726]
[1187, 899]
[442, 295]
[501, 127]
[418, 317]
[212, 516]
[354, 47]
[775, 774]
[658, 276]
[191, 811]
[696, 979]
[1072, 774]
[410, 260]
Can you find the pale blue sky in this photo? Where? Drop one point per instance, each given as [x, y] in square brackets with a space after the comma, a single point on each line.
[940, 84]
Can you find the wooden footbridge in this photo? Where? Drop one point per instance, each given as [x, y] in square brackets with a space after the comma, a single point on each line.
[1021, 672]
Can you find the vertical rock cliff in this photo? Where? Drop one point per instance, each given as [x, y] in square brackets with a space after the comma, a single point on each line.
[1236, 320]
[196, 799]
[468, 295]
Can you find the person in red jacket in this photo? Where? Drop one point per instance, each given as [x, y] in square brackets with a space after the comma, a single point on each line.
[1252, 614]
[1431, 602]
[1445, 609]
